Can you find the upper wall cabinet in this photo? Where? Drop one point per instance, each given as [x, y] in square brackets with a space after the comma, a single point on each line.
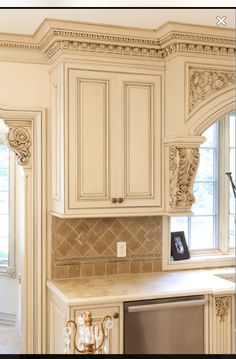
[128, 109]
[105, 143]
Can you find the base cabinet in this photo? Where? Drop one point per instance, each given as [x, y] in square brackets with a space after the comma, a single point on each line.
[219, 322]
[59, 313]
[98, 313]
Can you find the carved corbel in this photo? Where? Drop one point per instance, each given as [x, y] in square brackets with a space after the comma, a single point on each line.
[19, 140]
[183, 165]
[222, 307]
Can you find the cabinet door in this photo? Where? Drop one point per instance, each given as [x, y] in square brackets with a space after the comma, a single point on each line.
[140, 147]
[98, 312]
[91, 136]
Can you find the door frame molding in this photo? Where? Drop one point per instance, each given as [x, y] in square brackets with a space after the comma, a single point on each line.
[33, 277]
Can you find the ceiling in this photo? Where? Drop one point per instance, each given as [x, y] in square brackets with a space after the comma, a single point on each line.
[26, 21]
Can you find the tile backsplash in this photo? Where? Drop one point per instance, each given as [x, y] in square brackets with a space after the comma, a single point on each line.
[87, 247]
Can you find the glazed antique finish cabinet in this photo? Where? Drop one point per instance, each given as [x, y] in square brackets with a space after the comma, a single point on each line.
[59, 313]
[107, 295]
[127, 112]
[106, 142]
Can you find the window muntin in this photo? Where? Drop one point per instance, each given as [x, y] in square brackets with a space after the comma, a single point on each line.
[232, 165]
[4, 202]
[203, 227]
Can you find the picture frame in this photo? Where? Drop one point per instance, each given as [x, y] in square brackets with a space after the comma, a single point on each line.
[179, 248]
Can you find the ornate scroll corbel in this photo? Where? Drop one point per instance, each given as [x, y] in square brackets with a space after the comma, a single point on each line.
[222, 307]
[183, 165]
[18, 139]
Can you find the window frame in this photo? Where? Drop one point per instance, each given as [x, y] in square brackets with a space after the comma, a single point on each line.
[223, 255]
[8, 267]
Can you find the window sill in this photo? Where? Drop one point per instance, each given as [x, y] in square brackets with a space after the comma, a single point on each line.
[207, 261]
[225, 273]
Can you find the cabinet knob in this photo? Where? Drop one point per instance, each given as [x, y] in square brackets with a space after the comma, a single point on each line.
[115, 315]
[114, 200]
[120, 200]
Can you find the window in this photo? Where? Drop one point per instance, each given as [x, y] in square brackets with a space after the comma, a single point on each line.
[4, 201]
[211, 228]
[232, 159]
[7, 172]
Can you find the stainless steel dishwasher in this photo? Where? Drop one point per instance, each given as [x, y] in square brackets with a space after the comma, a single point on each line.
[165, 326]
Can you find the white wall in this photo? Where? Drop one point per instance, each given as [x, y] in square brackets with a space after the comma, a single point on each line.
[22, 86]
[8, 298]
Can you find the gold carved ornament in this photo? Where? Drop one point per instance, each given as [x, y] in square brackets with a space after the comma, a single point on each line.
[18, 139]
[183, 164]
[204, 83]
[92, 338]
[222, 307]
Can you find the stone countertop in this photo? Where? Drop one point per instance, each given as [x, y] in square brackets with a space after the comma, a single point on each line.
[98, 290]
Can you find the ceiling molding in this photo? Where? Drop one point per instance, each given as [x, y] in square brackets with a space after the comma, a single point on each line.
[54, 36]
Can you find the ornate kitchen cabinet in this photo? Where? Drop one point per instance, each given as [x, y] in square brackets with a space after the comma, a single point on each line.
[219, 320]
[59, 313]
[106, 142]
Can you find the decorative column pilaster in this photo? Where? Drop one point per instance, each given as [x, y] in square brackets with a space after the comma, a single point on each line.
[221, 324]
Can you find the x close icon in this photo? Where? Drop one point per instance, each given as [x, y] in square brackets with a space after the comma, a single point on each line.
[221, 21]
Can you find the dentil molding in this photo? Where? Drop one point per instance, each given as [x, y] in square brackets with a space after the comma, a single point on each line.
[183, 164]
[54, 36]
[205, 82]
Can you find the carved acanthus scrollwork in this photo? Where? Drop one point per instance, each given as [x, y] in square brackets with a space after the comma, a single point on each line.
[19, 141]
[183, 164]
[222, 306]
[204, 83]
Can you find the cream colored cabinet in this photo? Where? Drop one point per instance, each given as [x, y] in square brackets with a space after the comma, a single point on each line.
[139, 143]
[59, 313]
[57, 318]
[110, 160]
[92, 135]
[98, 312]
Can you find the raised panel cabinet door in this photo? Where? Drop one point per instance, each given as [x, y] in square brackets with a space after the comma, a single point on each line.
[98, 313]
[91, 137]
[141, 136]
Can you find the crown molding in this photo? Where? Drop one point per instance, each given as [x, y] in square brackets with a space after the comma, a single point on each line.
[54, 37]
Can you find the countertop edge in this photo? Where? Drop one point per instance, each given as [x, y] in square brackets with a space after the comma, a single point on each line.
[227, 288]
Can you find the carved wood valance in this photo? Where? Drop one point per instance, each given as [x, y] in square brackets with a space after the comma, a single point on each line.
[205, 82]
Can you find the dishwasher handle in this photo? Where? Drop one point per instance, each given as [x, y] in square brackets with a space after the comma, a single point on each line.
[187, 303]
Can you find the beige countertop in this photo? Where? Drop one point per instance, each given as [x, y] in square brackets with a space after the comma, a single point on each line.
[98, 290]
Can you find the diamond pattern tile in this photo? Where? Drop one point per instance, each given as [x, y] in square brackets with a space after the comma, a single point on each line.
[90, 245]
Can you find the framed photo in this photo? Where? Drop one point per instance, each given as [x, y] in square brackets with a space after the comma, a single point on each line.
[179, 248]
